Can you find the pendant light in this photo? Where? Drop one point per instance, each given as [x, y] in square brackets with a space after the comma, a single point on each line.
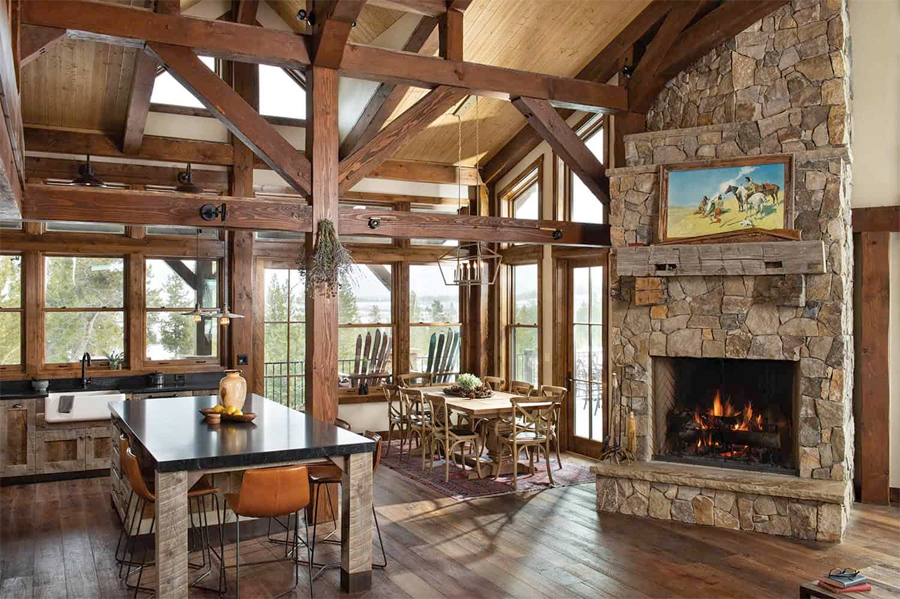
[186, 182]
[197, 312]
[473, 263]
[225, 315]
[86, 176]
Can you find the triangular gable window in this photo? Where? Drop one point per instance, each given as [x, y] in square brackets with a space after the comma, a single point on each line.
[279, 95]
[168, 91]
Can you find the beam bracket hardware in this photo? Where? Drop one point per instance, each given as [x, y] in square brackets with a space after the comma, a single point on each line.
[212, 212]
[374, 223]
[557, 234]
[306, 16]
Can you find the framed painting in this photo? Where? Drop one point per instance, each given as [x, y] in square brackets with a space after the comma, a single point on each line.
[723, 198]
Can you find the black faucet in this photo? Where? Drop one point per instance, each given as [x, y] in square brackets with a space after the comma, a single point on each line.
[85, 360]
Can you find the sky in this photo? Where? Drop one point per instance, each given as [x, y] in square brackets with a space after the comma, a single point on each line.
[687, 188]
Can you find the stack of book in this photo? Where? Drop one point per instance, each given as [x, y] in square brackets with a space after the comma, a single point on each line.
[845, 582]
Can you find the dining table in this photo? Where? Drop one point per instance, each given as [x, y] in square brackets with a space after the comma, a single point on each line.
[498, 405]
[174, 438]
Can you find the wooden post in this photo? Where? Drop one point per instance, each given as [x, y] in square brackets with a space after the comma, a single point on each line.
[874, 366]
[357, 525]
[171, 544]
[321, 308]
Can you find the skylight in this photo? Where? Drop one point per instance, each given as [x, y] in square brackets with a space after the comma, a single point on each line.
[279, 95]
[168, 91]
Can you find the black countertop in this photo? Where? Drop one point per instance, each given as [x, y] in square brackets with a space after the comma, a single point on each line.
[15, 390]
[175, 436]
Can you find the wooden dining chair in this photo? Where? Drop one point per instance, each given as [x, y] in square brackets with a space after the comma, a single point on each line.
[396, 415]
[528, 427]
[447, 436]
[496, 383]
[520, 388]
[415, 379]
[419, 420]
[558, 396]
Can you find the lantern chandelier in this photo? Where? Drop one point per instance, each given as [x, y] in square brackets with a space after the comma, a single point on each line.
[472, 263]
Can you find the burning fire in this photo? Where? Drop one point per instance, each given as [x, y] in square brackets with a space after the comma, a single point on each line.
[748, 421]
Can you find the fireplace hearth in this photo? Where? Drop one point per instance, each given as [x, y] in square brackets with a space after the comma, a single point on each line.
[726, 413]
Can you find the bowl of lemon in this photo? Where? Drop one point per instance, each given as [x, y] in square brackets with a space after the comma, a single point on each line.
[220, 412]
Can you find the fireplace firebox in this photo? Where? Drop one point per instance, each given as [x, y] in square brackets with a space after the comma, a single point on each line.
[727, 413]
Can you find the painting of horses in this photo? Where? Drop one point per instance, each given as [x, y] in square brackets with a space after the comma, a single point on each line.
[700, 199]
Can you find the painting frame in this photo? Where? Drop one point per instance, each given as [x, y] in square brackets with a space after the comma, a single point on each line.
[662, 232]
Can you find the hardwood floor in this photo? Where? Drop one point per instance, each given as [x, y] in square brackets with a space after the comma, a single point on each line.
[57, 540]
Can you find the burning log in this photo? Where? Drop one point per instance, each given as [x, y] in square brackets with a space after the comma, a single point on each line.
[752, 438]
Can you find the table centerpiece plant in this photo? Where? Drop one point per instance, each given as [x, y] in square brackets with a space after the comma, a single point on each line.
[469, 385]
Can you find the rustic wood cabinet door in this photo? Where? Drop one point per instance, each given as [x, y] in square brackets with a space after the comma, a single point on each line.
[60, 451]
[98, 447]
[17, 437]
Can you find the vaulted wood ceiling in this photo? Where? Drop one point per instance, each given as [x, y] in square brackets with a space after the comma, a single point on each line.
[84, 85]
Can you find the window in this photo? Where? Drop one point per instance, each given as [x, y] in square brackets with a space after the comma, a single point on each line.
[522, 197]
[10, 310]
[174, 286]
[524, 362]
[83, 307]
[279, 95]
[585, 207]
[179, 231]
[284, 331]
[166, 90]
[434, 323]
[365, 331]
[76, 227]
[588, 297]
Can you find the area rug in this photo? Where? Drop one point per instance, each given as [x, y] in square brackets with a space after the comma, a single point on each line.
[461, 487]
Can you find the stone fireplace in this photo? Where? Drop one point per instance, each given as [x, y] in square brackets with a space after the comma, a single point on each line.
[741, 380]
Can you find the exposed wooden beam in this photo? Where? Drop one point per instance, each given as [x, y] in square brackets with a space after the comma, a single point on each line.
[125, 173]
[566, 143]
[362, 162]
[239, 117]
[388, 96]
[601, 68]
[720, 25]
[876, 219]
[874, 381]
[451, 35]
[11, 147]
[53, 202]
[645, 82]
[35, 41]
[169, 149]
[331, 28]
[494, 229]
[128, 26]
[245, 11]
[142, 80]
[428, 8]
[63, 203]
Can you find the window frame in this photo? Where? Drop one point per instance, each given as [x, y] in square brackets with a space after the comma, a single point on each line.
[19, 367]
[216, 360]
[264, 264]
[530, 175]
[96, 363]
[588, 127]
[411, 324]
[509, 324]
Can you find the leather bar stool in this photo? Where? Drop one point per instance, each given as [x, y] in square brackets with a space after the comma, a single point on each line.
[271, 493]
[144, 496]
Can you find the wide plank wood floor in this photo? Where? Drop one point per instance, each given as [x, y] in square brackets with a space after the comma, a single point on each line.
[57, 540]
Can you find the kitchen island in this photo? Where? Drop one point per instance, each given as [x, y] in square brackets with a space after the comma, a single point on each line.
[177, 442]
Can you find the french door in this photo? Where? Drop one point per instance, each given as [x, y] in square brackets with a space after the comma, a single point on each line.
[587, 332]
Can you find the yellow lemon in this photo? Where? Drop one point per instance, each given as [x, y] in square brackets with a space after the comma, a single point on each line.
[239, 413]
[219, 408]
[230, 410]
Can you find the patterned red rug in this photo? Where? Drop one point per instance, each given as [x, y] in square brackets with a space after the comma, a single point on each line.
[461, 487]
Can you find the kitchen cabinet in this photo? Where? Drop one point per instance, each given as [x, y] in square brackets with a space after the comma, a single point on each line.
[17, 420]
[59, 451]
[97, 450]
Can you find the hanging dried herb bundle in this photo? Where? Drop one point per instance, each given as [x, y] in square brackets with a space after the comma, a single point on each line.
[330, 264]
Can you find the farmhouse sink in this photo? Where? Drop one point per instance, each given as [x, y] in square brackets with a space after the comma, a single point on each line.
[88, 405]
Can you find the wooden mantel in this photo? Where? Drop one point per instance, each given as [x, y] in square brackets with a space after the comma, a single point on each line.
[766, 258]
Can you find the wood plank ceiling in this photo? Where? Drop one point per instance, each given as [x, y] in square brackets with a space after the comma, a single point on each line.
[85, 86]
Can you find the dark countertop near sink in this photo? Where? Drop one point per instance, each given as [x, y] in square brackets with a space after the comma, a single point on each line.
[174, 436]
[12, 390]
